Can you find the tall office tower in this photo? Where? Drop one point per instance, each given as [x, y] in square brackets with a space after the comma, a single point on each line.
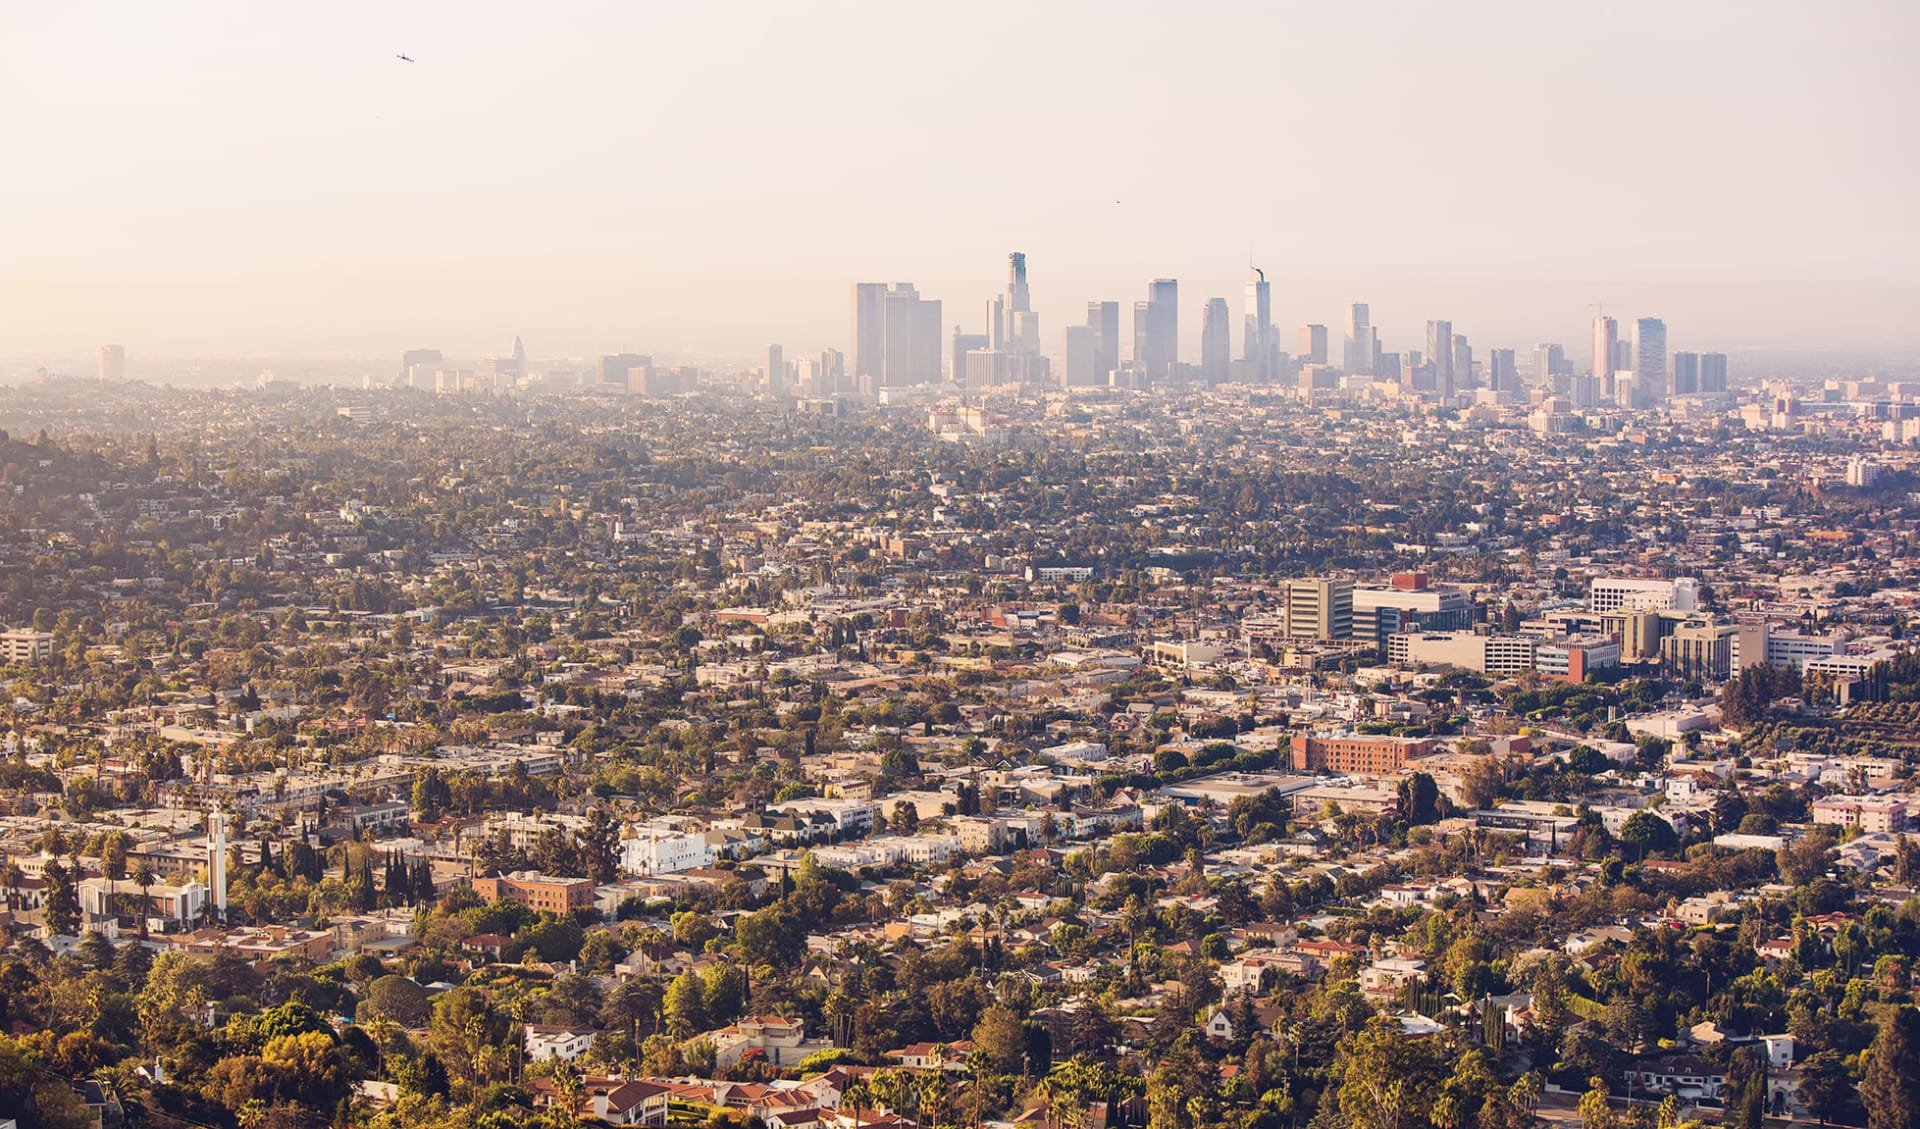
[622, 371]
[777, 383]
[1216, 342]
[832, 374]
[1104, 319]
[519, 357]
[1017, 299]
[1549, 365]
[1141, 320]
[1022, 326]
[1363, 346]
[1318, 609]
[1606, 335]
[869, 334]
[1082, 357]
[1463, 377]
[910, 338]
[427, 361]
[964, 343]
[1257, 345]
[113, 362]
[1649, 361]
[1503, 376]
[1312, 346]
[1440, 356]
[1713, 373]
[1163, 328]
[1686, 373]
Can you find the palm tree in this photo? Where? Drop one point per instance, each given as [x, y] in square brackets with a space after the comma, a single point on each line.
[143, 874]
[570, 1088]
[858, 1094]
[1525, 1092]
[12, 876]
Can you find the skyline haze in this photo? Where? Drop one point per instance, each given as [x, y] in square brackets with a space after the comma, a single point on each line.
[221, 179]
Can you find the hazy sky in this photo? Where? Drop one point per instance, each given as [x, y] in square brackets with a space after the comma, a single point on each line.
[701, 176]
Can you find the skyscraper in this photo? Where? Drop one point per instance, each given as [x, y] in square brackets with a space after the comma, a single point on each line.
[1081, 358]
[1713, 373]
[1440, 356]
[869, 334]
[1686, 373]
[776, 370]
[1216, 342]
[1606, 335]
[113, 362]
[896, 337]
[1463, 378]
[964, 343]
[1156, 329]
[1313, 344]
[1022, 328]
[425, 361]
[1549, 364]
[1649, 361]
[1257, 346]
[831, 373]
[1503, 376]
[910, 338]
[1362, 345]
[1104, 319]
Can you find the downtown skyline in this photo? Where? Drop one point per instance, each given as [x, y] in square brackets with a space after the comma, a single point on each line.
[1497, 164]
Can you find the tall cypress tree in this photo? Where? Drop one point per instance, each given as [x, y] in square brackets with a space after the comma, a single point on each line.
[1890, 1086]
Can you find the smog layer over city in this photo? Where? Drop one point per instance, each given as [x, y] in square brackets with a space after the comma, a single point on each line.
[925, 565]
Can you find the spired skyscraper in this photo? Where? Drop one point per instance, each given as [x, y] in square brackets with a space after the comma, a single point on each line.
[1216, 342]
[1258, 346]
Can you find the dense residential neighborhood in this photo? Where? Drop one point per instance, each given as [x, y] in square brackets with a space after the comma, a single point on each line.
[1098, 758]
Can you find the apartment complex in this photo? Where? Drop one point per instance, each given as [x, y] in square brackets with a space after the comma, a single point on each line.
[1348, 753]
[537, 891]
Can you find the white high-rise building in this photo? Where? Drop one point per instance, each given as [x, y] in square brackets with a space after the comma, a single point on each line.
[1606, 336]
[113, 363]
[776, 370]
[217, 863]
[1619, 593]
